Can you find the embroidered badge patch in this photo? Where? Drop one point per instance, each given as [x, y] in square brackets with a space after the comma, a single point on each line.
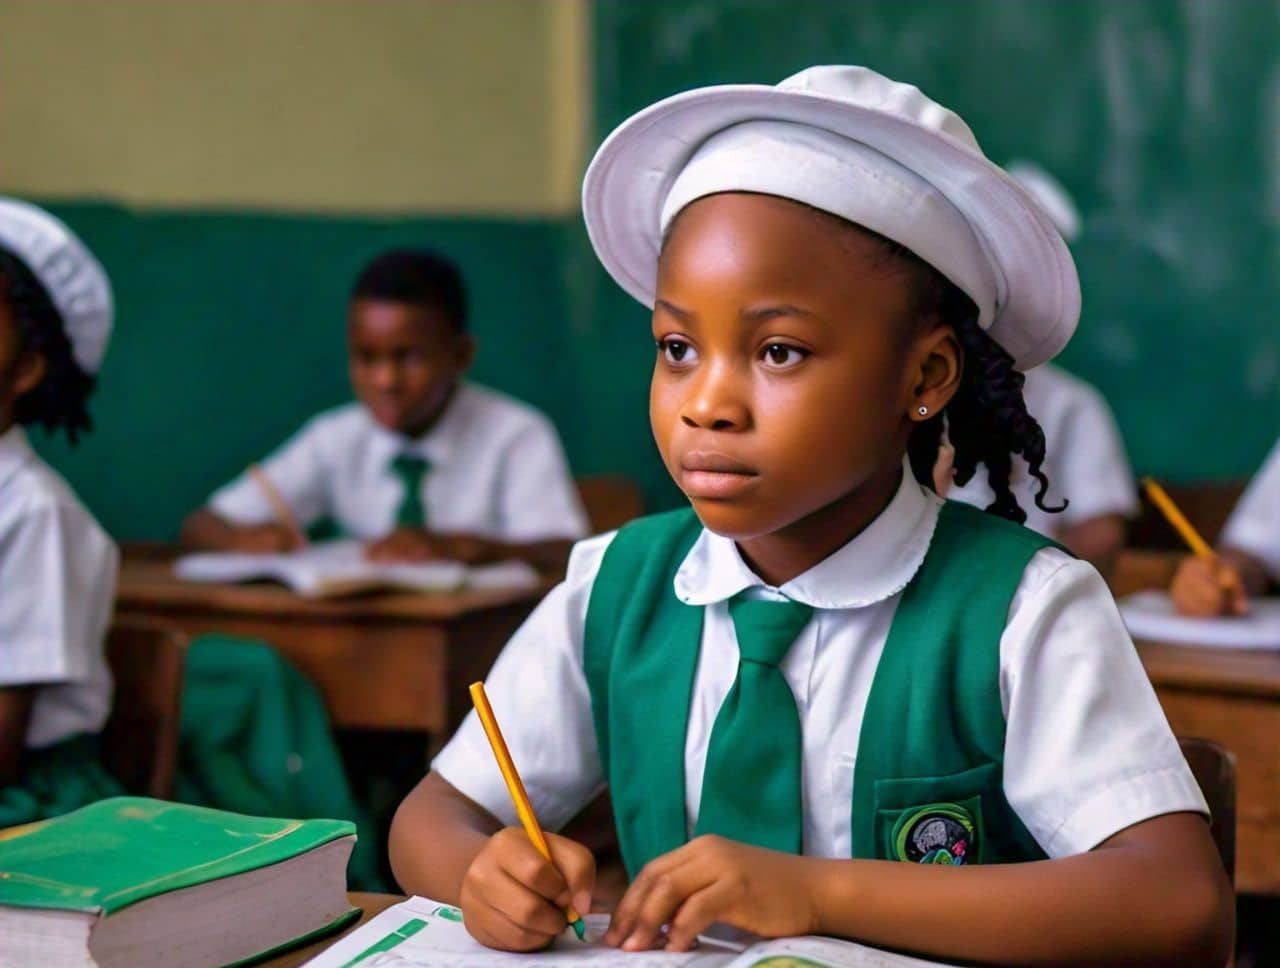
[939, 833]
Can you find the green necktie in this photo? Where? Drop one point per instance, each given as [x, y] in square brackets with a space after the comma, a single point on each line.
[411, 513]
[751, 784]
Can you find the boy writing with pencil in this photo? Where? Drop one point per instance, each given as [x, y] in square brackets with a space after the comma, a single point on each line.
[824, 700]
[424, 465]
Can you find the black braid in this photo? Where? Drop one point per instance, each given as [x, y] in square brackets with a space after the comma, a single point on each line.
[987, 419]
[60, 400]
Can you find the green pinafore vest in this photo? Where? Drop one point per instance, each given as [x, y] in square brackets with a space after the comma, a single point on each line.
[928, 779]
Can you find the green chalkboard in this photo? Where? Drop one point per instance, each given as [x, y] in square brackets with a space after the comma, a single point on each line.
[1161, 118]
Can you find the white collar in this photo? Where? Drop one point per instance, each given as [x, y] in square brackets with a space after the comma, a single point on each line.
[15, 450]
[437, 445]
[876, 564]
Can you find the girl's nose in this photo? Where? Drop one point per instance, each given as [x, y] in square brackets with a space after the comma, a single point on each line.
[717, 400]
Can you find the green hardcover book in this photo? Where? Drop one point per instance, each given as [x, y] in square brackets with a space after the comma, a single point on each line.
[148, 884]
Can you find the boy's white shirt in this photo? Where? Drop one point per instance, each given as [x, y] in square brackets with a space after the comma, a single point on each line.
[497, 471]
[1254, 525]
[1085, 458]
[57, 589]
[1088, 751]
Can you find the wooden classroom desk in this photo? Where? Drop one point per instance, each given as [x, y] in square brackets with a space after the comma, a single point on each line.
[394, 661]
[371, 904]
[1232, 696]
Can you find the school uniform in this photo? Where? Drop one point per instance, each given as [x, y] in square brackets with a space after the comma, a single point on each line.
[57, 566]
[1085, 752]
[493, 467]
[57, 589]
[1084, 457]
[1254, 525]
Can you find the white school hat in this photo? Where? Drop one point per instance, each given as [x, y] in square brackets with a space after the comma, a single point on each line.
[854, 143]
[74, 279]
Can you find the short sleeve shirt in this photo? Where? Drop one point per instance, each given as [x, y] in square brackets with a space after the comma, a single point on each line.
[496, 470]
[1087, 753]
[1254, 525]
[58, 573]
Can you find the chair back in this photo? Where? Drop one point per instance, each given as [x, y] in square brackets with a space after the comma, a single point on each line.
[1214, 768]
[140, 739]
[610, 500]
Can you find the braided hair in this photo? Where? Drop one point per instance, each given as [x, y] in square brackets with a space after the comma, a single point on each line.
[60, 400]
[986, 420]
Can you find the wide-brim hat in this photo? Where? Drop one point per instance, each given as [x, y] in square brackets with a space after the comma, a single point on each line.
[990, 238]
[75, 281]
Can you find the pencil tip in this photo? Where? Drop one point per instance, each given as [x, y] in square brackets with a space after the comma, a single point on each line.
[580, 929]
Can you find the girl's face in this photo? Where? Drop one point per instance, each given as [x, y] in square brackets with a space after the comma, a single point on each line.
[787, 368]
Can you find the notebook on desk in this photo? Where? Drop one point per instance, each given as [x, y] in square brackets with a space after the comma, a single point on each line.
[1150, 615]
[420, 933]
[335, 568]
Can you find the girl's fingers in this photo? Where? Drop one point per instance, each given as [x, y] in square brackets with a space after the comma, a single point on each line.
[699, 911]
[492, 926]
[523, 906]
[578, 870]
[662, 897]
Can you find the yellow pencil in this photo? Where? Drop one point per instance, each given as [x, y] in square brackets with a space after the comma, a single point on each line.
[515, 786]
[1175, 517]
[279, 507]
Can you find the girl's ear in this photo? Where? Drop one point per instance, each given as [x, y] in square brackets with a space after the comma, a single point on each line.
[938, 373]
[29, 372]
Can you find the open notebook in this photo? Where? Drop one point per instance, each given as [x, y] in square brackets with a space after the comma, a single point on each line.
[1151, 616]
[419, 933]
[335, 568]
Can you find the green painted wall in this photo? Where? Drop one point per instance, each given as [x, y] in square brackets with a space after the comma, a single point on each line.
[1160, 118]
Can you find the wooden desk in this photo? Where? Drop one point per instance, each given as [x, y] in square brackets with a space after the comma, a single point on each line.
[1232, 696]
[372, 904]
[397, 661]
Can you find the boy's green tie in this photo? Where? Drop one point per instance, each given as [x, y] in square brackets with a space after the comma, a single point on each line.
[751, 783]
[411, 513]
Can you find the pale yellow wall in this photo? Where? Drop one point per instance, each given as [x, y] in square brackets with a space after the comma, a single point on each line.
[451, 106]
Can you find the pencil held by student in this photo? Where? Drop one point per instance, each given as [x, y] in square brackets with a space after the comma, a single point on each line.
[818, 690]
[1208, 582]
[515, 786]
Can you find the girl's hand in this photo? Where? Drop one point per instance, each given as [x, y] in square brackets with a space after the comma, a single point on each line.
[514, 900]
[1208, 587]
[713, 879]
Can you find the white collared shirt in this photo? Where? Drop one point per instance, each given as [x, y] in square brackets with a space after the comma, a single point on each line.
[497, 471]
[57, 589]
[1084, 457]
[1254, 525]
[1088, 751]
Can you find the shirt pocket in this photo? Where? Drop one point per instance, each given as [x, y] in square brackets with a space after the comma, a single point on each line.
[938, 819]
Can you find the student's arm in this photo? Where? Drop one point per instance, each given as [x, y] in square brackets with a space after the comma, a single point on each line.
[1097, 540]
[240, 515]
[1248, 555]
[456, 836]
[446, 846]
[15, 713]
[1153, 894]
[206, 530]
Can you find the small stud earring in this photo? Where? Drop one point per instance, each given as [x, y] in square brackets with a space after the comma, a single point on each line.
[923, 411]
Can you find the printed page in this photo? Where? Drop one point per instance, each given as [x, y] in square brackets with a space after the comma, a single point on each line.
[810, 952]
[1150, 615]
[420, 933]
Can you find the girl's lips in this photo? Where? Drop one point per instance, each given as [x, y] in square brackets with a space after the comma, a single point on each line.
[715, 484]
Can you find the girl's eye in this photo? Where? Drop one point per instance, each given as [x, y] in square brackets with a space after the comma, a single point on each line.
[781, 356]
[676, 351]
